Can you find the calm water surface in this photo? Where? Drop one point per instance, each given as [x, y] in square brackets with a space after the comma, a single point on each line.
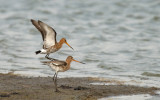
[117, 39]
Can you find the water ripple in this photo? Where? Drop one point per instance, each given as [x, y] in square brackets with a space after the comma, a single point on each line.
[114, 38]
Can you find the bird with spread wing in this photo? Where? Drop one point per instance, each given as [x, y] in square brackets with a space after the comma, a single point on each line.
[50, 44]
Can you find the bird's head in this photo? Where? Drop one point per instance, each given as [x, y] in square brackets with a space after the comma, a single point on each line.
[70, 58]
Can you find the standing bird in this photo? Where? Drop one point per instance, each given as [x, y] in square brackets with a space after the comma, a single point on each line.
[50, 45]
[60, 66]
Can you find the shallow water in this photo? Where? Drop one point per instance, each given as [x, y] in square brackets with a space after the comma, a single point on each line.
[130, 97]
[115, 39]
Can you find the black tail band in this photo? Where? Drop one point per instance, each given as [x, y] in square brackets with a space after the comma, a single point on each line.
[37, 52]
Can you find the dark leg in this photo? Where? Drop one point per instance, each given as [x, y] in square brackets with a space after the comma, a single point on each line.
[47, 56]
[54, 77]
[55, 82]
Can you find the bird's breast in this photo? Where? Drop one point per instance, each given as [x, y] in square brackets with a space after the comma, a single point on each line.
[57, 68]
[52, 49]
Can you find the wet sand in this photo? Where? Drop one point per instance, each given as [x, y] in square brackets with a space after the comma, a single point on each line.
[13, 87]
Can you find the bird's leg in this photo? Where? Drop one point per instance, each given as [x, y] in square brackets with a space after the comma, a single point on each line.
[53, 59]
[47, 56]
[54, 77]
[56, 83]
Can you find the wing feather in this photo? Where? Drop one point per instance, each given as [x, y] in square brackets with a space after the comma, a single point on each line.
[59, 63]
[55, 63]
[35, 23]
[50, 37]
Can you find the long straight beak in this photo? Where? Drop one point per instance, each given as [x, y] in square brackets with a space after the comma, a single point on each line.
[69, 45]
[78, 61]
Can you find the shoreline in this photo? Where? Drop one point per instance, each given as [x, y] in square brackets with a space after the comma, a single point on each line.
[14, 87]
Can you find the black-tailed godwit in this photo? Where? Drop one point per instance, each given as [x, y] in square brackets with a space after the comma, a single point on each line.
[60, 66]
[50, 44]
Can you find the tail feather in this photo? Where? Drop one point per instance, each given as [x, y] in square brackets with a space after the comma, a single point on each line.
[37, 52]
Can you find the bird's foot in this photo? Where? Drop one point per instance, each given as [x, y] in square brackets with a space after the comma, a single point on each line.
[51, 58]
[57, 90]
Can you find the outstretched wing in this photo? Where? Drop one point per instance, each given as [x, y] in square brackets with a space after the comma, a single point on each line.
[50, 34]
[35, 23]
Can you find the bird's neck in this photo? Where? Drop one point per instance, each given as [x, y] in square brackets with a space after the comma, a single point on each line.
[68, 64]
[60, 43]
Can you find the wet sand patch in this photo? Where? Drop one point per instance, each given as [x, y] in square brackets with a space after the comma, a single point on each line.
[13, 87]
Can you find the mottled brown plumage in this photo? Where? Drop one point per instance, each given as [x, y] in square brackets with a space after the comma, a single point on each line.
[60, 66]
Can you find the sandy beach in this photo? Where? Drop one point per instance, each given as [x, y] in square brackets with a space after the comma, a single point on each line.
[14, 87]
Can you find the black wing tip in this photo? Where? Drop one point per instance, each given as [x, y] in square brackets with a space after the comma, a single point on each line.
[40, 21]
[82, 63]
[32, 20]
